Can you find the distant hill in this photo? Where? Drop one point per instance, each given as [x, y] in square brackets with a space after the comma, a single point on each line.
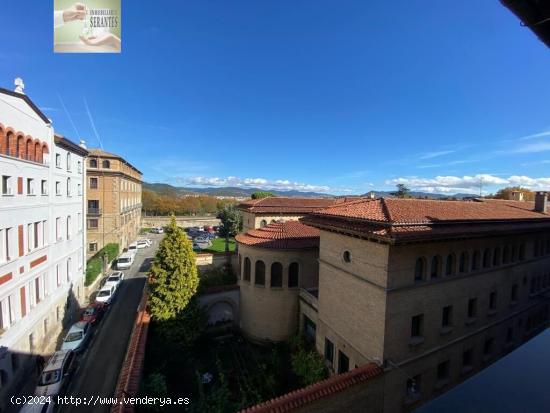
[166, 189]
[170, 190]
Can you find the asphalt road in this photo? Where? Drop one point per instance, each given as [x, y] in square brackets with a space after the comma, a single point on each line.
[98, 367]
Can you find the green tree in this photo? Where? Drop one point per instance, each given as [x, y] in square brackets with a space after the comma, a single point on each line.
[231, 222]
[185, 328]
[402, 191]
[173, 278]
[505, 193]
[261, 194]
[308, 365]
[155, 386]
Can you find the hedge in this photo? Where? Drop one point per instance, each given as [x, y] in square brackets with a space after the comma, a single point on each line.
[95, 264]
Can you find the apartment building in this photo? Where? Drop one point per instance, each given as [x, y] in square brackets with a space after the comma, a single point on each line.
[431, 291]
[42, 239]
[113, 201]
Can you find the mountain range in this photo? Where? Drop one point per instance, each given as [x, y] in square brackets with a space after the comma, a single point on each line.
[239, 192]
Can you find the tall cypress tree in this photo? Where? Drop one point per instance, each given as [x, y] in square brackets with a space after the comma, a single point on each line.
[173, 278]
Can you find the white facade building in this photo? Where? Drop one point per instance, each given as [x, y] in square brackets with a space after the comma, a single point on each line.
[42, 236]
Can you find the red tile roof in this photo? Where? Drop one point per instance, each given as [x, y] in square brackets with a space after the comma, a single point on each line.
[281, 205]
[325, 388]
[281, 235]
[408, 219]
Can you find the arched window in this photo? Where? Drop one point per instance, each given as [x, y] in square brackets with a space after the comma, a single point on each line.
[450, 265]
[293, 275]
[68, 161]
[38, 152]
[263, 223]
[463, 262]
[435, 269]
[487, 258]
[10, 140]
[259, 273]
[419, 269]
[45, 152]
[93, 163]
[276, 274]
[3, 143]
[106, 164]
[496, 257]
[20, 147]
[476, 260]
[247, 268]
[506, 255]
[29, 150]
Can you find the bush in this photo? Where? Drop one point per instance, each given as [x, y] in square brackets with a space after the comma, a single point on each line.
[306, 362]
[94, 266]
[217, 277]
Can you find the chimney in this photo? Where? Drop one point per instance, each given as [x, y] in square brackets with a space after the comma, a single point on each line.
[83, 144]
[540, 202]
[19, 85]
[516, 196]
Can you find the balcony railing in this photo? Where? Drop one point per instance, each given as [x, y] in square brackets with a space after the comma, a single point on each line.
[94, 211]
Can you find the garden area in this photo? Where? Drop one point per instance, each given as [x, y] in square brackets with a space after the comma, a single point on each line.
[218, 245]
[94, 266]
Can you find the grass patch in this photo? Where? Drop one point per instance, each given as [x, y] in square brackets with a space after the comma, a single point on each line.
[95, 264]
[218, 245]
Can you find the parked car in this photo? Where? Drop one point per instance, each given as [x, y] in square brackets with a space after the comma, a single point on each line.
[142, 244]
[132, 248]
[58, 370]
[93, 313]
[157, 230]
[125, 261]
[77, 337]
[114, 279]
[105, 295]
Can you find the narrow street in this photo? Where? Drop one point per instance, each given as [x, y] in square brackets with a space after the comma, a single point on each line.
[99, 365]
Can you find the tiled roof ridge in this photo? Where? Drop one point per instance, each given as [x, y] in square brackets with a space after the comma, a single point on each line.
[386, 210]
[327, 387]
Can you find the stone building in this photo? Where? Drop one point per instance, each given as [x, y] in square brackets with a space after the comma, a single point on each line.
[42, 237]
[257, 213]
[113, 201]
[431, 291]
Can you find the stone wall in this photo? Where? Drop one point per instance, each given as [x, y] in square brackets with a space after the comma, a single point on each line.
[182, 221]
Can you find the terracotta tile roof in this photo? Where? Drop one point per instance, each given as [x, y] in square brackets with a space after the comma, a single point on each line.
[282, 205]
[418, 218]
[325, 388]
[281, 235]
[101, 153]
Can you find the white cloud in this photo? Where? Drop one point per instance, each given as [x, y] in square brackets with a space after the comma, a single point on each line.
[261, 183]
[431, 155]
[469, 184]
[532, 148]
[535, 135]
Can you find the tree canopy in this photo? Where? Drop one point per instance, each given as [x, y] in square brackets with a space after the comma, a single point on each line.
[173, 278]
[505, 193]
[166, 204]
[231, 222]
[261, 194]
[402, 191]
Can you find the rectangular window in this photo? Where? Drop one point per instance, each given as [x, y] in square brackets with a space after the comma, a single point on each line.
[92, 247]
[6, 187]
[58, 188]
[343, 362]
[329, 351]
[93, 223]
[58, 229]
[58, 160]
[30, 237]
[493, 301]
[44, 187]
[79, 189]
[36, 234]
[37, 294]
[447, 316]
[93, 183]
[7, 243]
[416, 325]
[443, 371]
[472, 308]
[413, 386]
[58, 275]
[30, 186]
[79, 164]
[69, 227]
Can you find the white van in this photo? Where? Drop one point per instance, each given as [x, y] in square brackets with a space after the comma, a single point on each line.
[132, 248]
[125, 261]
[59, 368]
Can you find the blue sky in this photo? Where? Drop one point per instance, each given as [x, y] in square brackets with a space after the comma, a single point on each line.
[337, 96]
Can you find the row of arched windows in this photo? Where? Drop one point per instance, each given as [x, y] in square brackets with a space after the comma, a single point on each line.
[276, 279]
[20, 146]
[263, 222]
[489, 258]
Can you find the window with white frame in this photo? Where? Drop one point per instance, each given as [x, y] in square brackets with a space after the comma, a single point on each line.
[58, 229]
[44, 187]
[79, 167]
[58, 188]
[69, 227]
[30, 186]
[69, 264]
[44, 232]
[68, 186]
[29, 237]
[79, 189]
[5, 244]
[58, 160]
[68, 161]
[58, 275]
